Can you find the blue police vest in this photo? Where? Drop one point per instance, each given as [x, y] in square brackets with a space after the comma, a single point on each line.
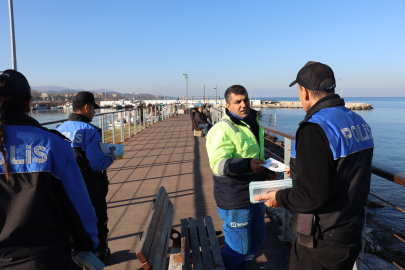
[346, 131]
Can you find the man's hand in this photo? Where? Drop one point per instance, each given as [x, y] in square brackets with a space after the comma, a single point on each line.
[207, 125]
[270, 199]
[112, 148]
[255, 165]
[287, 171]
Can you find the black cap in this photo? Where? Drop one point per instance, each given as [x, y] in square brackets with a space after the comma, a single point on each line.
[13, 82]
[313, 74]
[86, 97]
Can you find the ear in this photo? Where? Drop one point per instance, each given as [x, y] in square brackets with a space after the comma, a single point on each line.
[306, 93]
[86, 108]
[227, 106]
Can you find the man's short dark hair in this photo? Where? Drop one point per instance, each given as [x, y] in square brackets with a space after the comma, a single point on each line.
[235, 89]
[78, 105]
[322, 94]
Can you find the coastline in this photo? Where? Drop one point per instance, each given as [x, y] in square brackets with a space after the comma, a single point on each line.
[297, 104]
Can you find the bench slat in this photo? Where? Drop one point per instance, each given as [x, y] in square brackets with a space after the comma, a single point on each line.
[148, 234]
[157, 248]
[216, 252]
[195, 247]
[185, 245]
[167, 229]
[205, 248]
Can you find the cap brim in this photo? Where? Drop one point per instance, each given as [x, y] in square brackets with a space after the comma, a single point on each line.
[96, 106]
[294, 82]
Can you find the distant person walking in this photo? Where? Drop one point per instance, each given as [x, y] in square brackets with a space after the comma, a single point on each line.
[331, 171]
[43, 198]
[92, 161]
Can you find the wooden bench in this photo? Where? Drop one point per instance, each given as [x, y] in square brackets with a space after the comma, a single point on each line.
[199, 246]
[198, 132]
[193, 246]
[155, 238]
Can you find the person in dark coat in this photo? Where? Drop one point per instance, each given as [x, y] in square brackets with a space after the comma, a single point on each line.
[43, 198]
[201, 120]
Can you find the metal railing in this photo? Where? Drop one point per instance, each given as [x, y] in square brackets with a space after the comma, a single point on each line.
[119, 125]
[389, 174]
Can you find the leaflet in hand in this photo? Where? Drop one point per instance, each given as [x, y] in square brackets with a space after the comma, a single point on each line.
[262, 187]
[274, 165]
[86, 259]
[118, 149]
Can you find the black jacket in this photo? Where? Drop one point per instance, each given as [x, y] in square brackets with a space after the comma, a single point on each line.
[45, 202]
[96, 180]
[200, 119]
[334, 189]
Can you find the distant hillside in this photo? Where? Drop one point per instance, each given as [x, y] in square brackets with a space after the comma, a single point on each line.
[57, 89]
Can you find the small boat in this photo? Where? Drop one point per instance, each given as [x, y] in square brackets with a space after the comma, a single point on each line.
[37, 107]
[67, 106]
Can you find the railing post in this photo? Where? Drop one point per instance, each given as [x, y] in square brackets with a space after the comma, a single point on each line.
[143, 118]
[358, 265]
[113, 127]
[287, 155]
[129, 123]
[100, 120]
[135, 122]
[122, 127]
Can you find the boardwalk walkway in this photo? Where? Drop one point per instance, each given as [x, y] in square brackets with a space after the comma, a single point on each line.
[167, 154]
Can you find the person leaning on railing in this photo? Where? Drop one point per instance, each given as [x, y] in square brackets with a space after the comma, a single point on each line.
[235, 147]
[201, 120]
[331, 170]
[43, 198]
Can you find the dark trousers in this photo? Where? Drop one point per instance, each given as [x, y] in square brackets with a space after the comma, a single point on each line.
[327, 255]
[100, 206]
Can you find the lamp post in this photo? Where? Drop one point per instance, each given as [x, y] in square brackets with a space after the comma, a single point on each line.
[204, 93]
[341, 88]
[216, 90]
[186, 87]
[13, 51]
[164, 93]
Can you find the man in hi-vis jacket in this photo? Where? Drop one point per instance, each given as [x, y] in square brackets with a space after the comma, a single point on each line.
[331, 171]
[235, 147]
[92, 161]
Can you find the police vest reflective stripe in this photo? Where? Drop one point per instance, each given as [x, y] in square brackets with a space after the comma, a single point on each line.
[346, 131]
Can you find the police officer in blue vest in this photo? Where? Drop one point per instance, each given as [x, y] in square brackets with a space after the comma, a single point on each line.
[92, 161]
[331, 172]
[43, 198]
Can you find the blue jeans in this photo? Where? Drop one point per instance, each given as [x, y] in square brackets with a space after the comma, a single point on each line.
[244, 231]
[205, 127]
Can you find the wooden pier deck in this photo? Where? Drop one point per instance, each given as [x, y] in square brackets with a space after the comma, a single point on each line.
[167, 154]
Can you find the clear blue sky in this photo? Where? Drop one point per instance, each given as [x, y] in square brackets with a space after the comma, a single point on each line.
[145, 45]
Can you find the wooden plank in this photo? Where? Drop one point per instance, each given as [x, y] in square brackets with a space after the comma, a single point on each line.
[195, 247]
[150, 228]
[165, 238]
[156, 249]
[205, 247]
[216, 251]
[185, 245]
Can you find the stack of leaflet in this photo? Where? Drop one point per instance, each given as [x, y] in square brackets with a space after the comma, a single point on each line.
[87, 260]
[262, 187]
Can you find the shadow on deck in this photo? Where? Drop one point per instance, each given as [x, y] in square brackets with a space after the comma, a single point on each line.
[167, 154]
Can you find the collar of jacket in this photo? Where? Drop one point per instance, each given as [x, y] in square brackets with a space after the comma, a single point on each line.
[237, 121]
[78, 117]
[326, 102]
[25, 120]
